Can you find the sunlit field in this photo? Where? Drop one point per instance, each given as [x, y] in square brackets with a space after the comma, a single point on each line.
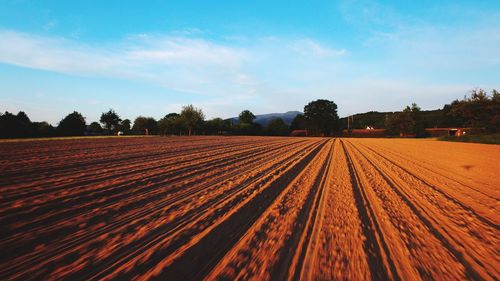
[261, 208]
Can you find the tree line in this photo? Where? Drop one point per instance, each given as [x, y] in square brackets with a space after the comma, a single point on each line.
[320, 117]
[479, 111]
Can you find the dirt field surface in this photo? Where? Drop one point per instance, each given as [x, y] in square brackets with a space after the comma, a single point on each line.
[249, 208]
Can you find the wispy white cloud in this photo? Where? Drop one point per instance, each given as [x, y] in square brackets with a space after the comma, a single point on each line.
[182, 51]
[180, 63]
[311, 47]
[272, 74]
[56, 54]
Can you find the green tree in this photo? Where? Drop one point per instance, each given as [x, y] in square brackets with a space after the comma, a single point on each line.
[449, 119]
[246, 125]
[95, 128]
[16, 126]
[246, 129]
[321, 116]
[495, 96]
[8, 125]
[298, 123]
[401, 122]
[277, 127]
[44, 129]
[110, 120]
[192, 117]
[24, 126]
[171, 124]
[72, 125]
[407, 122]
[416, 114]
[246, 116]
[145, 125]
[217, 126]
[125, 126]
[480, 111]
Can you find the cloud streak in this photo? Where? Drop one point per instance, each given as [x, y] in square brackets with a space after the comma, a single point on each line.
[384, 71]
[179, 62]
[137, 57]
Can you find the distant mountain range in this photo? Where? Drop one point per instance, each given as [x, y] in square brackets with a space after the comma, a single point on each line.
[264, 119]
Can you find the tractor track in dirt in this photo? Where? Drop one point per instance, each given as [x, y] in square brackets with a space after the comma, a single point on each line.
[249, 208]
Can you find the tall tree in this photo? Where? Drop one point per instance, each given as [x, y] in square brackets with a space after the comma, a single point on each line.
[145, 125]
[321, 116]
[407, 122]
[72, 125]
[110, 120]
[8, 125]
[192, 117]
[125, 126]
[17, 126]
[495, 96]
[401, 123]
[171, 124]
[94, 128]
[480, 111]
[416, 114]
[298, 123]
[44, 129]
[246, 116]
[217, 126]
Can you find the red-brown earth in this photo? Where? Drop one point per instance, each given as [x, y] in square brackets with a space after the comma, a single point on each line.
[241, 208]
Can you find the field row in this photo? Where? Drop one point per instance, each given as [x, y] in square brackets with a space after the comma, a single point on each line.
[240, 208]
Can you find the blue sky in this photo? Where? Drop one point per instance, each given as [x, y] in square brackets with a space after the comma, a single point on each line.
[152, 57]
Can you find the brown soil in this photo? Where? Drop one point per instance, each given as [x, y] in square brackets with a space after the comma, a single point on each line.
[249, 208]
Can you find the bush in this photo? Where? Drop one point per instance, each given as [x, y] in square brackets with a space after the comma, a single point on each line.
[277, 127]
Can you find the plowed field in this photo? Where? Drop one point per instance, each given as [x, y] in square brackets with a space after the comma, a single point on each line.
[240, 208]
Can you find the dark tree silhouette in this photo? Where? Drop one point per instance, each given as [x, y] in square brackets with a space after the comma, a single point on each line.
[110, 120]
[217, 126]
[298, 123]
[95, 128]
[480, 111]
[145, 126]
[246, 116]
[72, 125]
[16, 126]
[171, 124]
[277, 127]
[321, 116]
[125, 126]
[44, 129]
[407, 122]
